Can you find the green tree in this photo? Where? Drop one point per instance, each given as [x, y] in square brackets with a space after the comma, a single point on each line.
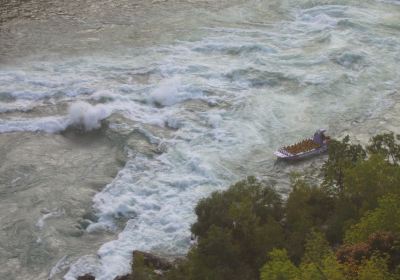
[387, 145]
[253, 234]
[374, 268]
[316, 249]
[279, 267]
[383, 218]
[217, 209]
[217, 257]
[342, 155]
[307, 207]
[311, 271]
[362, 182]
[319, 261]
[365, 182]
[332, 269]
[235, 229]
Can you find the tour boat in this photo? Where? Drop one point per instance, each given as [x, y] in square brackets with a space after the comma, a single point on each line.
[306, 148]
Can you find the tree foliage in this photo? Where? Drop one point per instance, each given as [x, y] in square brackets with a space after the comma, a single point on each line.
[387, 145]
[342, 155]
[375, 268]
[306, 207]
[383, 218]
[263, 202]
[316, 248]
[235, 230]
[279, 267]
[369, 180]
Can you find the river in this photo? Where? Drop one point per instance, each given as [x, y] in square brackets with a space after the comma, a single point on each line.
[117, 117]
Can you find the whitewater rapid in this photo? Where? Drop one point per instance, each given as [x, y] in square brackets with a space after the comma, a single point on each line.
[211, 110]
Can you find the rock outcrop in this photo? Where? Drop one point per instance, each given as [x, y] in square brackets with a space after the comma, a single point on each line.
[144, 266]
[151, 260]
[86, 277]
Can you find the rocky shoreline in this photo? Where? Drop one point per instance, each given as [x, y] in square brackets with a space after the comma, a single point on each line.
[144, 266]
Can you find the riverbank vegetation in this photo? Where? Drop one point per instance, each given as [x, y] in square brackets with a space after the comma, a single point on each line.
[346, 227]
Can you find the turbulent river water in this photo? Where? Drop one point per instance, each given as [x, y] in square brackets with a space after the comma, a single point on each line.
[116, 117]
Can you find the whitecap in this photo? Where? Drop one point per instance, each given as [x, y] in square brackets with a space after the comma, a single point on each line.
[87, 116]
[45, 124]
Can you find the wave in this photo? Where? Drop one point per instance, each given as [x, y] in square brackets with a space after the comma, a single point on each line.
[8, 107]
[258, 78]
[157, 196]
[45, 124]
[171, 91]
[349, 60]
[86, 116]
[234, 49]
[81, 115]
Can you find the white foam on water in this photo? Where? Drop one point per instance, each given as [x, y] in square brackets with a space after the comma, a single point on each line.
[394, 2]
[60, 266]
[30, 95]
[167, 93]
[214, 120]
[45, 124]
[51, 214]
[158, 195]
[87, 116]
[170, 91]
[81, 115]
[17, 106]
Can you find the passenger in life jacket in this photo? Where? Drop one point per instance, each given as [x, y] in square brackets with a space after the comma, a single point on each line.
[319, 137]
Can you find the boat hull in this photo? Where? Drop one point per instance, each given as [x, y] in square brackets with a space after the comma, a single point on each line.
[313, 152]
